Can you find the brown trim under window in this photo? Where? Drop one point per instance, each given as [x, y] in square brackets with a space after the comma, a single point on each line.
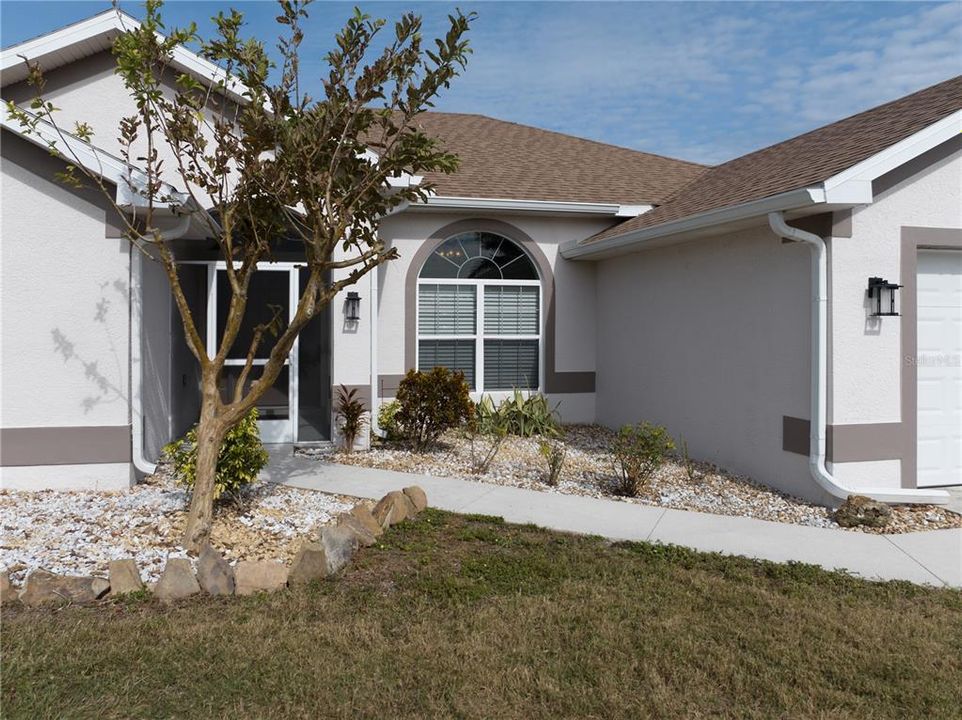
[554, 381]
[64, 445]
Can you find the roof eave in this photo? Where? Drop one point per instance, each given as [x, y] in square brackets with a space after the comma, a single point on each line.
[550, 207]
[635, 240]
[107, 25]
[848, 188]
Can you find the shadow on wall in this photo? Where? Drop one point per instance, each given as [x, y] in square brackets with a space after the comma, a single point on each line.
[107, 384]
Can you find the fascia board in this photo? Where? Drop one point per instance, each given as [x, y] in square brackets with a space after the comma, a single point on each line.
[803, 197]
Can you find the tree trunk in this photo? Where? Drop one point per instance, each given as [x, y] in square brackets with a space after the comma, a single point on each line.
[211, 431]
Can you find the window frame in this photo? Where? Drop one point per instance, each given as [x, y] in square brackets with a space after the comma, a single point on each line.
[479, 336]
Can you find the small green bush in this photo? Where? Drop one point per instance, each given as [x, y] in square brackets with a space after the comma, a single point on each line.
[387, 420]
[431, 403]
[242, 457]
[554, 453]
[350, 413]
[487, 432]
[524, 416]
[638, 451]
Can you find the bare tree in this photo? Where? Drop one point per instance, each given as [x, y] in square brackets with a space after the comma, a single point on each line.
[273, 163]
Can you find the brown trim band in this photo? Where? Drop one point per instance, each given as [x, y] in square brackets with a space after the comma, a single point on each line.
[363, 394]
[65, 445]
[914, 239]
[847, 443]
[388, 385]
[554, 381]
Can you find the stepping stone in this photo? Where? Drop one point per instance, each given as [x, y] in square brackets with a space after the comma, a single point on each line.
[7, 592]
[363, 515]
[363, 534]
[177, 581]
[339, 545]
[46, 588]
[392, 509]
[252, 576]
[124, 577]
[417, 496]
[309, 564]
[214, 573]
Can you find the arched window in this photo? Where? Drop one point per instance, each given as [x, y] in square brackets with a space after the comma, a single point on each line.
[479, 311]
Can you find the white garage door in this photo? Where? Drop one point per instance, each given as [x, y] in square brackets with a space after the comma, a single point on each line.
[939, 367]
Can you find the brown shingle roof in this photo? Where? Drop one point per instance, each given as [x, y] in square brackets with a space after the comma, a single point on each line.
[502, 159]
[804, 160]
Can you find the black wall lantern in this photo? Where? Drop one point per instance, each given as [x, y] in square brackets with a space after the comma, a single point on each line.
[352, 307]
[876, 288]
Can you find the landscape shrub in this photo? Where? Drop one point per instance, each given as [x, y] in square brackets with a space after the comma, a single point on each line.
[638, 451]
[691, 471]
[554, 453]
[350, 413]
[431, 403]
[524, 416]
[487, 431]
[387, 420]
[242, 456]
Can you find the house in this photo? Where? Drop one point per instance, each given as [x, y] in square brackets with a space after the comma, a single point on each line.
[748, 307]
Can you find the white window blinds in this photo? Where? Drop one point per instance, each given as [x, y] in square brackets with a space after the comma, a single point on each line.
[511, 310]
[446, 309]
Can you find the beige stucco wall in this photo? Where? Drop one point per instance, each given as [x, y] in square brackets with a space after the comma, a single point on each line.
[65, 313]
[575, 341]
[711, 339]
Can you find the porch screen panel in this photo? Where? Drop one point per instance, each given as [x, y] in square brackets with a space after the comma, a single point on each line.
[510, 364]
[511, 310]
[446, 309]
[451, 354]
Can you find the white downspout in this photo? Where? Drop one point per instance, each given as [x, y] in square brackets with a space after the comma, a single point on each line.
[141, 463]
[375, 430]
[375, 399]
[819, 386]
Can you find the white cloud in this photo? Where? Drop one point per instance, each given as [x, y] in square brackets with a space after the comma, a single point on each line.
[705, 82]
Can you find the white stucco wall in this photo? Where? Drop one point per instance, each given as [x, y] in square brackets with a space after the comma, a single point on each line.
[866, 351]
[90, 91]
[65, 313]
[575, 342]
[711, 339]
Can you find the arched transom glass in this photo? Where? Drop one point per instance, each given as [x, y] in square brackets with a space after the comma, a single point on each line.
[479, 256]
[479, 311]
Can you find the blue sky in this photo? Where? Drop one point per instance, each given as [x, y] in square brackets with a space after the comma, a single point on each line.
[700, 81]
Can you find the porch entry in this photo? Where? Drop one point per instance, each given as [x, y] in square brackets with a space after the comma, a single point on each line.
[297, 408]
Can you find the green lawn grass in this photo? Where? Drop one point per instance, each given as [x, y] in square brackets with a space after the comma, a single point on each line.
[469, 617]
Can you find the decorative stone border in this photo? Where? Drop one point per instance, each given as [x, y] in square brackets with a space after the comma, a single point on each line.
[323, 553]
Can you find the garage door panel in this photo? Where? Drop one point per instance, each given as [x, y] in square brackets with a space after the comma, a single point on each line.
[939, 367]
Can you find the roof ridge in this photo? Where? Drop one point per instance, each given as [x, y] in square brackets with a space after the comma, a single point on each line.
[108, 11]
[821, 128]
[573, 137]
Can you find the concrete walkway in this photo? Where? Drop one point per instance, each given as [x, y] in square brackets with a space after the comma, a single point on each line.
[932, 558]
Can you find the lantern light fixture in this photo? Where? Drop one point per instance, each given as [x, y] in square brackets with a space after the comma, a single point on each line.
[352, 307]
[876, 288]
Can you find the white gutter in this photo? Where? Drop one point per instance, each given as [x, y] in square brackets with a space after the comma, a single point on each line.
[141, 463]
[803, 197]
[375, 398]
[375, 430]
[543, 206]
[130, 181]
[819, 389]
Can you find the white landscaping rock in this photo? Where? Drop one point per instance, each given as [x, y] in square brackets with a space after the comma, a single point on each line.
[588, 470]
[80, 532]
